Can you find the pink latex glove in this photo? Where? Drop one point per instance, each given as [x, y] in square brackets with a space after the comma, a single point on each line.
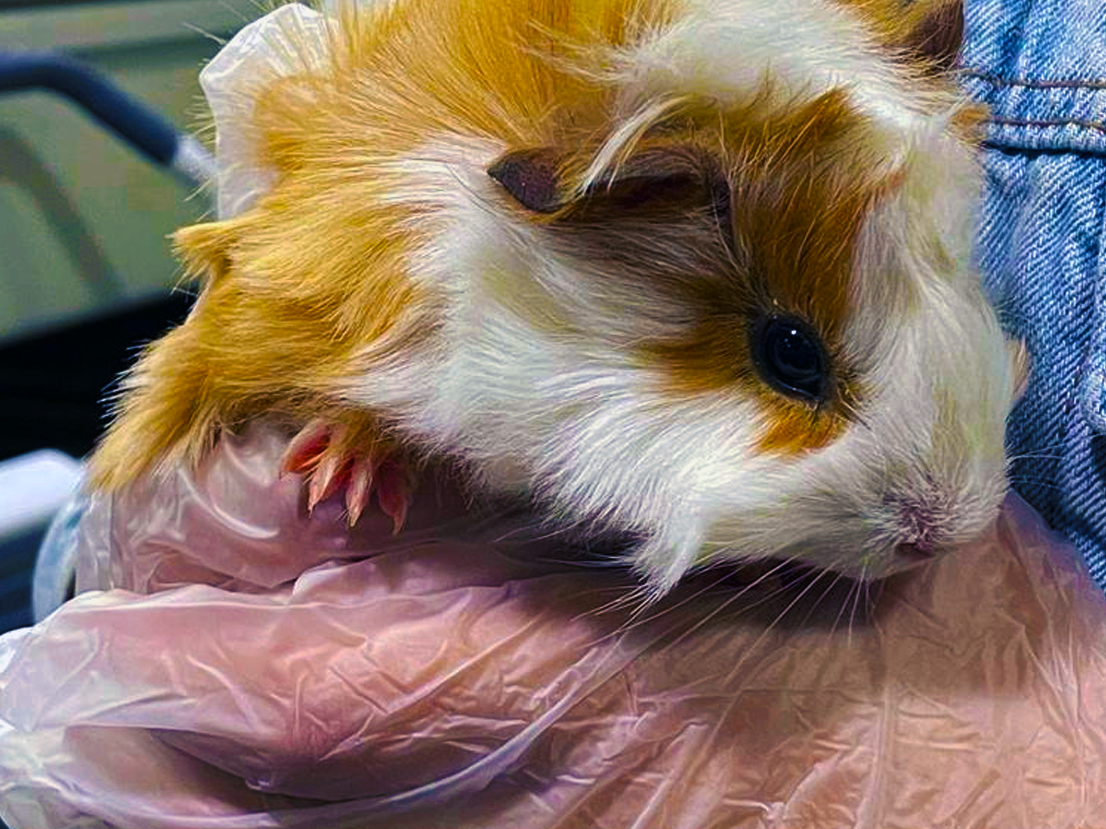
[282, 672]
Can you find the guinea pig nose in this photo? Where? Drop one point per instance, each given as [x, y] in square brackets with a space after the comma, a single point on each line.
[919, 524]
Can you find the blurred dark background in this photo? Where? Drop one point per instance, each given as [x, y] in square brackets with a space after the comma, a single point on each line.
[54, 384]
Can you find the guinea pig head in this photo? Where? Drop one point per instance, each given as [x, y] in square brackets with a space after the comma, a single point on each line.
[748, 326]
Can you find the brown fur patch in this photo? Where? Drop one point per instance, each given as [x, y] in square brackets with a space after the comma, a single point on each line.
[936, 32]
[925, 35]
[969, 122]
[725, 218]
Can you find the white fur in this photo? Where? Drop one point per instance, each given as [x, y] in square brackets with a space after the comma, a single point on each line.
[802, 48]
[553, 404]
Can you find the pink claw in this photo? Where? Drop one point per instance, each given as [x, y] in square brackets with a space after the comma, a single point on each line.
[326, 478]
[393, 493]
[359, 489]
[322, 453]
[306, 449]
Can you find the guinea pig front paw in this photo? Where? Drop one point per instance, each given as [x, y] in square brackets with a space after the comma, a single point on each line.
[335, 454]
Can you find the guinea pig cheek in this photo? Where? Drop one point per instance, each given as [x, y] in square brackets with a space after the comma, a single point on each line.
[944, 481]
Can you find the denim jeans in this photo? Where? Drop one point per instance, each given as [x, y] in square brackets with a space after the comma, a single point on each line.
[1040, 65]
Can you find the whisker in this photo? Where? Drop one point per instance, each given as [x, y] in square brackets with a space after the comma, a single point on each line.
[1037, 482]
[637, 620]
[728, 602]
[841, 611]
[856, 601]
[760, 639]
[1036, 456]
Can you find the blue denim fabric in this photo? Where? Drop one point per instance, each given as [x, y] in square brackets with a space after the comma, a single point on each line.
[1040, 65]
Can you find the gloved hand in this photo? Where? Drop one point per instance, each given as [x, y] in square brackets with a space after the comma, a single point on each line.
[237, 663]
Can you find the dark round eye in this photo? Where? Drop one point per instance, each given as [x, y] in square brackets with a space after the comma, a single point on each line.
[790, 357]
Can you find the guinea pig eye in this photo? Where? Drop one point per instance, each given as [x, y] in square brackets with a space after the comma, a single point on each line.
[790, 357]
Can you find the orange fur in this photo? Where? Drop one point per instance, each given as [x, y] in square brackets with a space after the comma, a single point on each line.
[300, 286]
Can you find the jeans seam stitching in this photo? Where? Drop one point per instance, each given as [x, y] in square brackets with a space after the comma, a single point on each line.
[999, 80]
[1075, 401]
[1097, 126]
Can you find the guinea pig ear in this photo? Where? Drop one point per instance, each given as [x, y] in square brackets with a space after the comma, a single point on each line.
[935, 33]
[533, 178]
[552, 182]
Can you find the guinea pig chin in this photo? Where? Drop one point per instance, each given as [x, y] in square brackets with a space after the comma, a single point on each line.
[865, 537]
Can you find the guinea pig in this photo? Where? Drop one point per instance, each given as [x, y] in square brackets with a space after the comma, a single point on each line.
[696, 271]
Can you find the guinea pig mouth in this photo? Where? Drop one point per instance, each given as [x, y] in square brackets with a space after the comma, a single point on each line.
[917, 551]
[920, 530]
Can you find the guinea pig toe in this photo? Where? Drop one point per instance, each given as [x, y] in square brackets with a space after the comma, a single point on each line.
[359, 489]
[394, 485]
[307, 448]
[318, 451]
[333, 457]
[332, 471]
[388, 475]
